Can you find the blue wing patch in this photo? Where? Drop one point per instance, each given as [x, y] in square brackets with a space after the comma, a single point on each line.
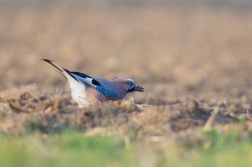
[105, 92]
[81, 77]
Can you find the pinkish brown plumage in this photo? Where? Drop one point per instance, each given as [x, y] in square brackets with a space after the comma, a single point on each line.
[88, 90]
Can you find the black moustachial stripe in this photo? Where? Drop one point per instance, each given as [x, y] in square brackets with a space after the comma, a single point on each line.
[131, 90]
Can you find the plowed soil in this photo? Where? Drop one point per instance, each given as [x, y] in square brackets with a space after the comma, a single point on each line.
[191, 61]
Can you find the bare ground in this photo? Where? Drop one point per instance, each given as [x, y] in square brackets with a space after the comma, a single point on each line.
[191, 61]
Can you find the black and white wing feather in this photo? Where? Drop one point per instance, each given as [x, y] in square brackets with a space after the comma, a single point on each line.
[79, 81]
[101, 85]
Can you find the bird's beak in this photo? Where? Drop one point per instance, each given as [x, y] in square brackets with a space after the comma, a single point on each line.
[139, 88]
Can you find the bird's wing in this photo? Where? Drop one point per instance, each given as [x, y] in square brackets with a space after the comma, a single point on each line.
[108, 88]
[103, 86]
[76, 79]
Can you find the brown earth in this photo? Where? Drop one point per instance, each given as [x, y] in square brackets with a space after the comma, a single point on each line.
[191, 61]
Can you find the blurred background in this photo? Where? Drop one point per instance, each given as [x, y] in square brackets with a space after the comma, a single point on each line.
[173, 48]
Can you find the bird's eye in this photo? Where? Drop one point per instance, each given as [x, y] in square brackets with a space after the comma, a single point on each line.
[130, 83]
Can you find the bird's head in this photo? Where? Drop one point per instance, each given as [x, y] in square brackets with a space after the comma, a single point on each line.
[133, 86]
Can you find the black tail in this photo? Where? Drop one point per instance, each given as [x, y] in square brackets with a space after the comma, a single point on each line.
[55, 66]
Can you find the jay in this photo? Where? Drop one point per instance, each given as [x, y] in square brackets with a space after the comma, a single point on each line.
[88, 90]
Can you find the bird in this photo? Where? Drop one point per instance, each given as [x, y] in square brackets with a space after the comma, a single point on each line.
[86, 90]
